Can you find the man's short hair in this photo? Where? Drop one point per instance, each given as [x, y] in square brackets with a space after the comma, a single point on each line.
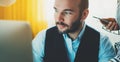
[84, 4]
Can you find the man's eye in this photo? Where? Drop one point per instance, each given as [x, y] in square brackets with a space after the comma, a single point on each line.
[67, 13]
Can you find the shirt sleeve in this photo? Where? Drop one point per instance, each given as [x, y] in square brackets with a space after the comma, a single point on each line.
[106, 50]
[38, 46]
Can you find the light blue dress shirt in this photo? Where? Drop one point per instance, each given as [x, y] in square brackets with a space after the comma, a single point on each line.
[106, 51]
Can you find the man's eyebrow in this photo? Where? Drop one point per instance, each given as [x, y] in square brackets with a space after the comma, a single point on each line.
[69, 10]
[55, 8]
[65, 9]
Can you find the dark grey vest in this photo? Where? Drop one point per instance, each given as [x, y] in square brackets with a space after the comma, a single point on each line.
[55, 50]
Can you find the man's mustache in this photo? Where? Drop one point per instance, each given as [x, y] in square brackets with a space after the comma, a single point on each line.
[61, 23]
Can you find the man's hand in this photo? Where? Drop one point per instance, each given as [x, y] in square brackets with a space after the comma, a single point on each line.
[112, 24]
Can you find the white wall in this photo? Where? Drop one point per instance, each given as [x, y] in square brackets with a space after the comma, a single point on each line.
[49, 12]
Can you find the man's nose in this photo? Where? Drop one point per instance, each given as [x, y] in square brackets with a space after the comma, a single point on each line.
[60, 17]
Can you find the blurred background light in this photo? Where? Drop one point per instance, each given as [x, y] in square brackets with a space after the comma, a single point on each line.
[5, 3]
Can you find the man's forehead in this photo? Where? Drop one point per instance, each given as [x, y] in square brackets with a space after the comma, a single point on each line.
[69, 2]
[72, 1]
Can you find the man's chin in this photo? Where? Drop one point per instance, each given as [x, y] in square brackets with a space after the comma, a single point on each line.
[62, 31]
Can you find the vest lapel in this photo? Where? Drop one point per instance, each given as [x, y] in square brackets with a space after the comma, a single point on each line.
[89, 46]
[55, 50]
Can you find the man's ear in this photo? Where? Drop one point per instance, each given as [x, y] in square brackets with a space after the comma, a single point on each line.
[85, 14]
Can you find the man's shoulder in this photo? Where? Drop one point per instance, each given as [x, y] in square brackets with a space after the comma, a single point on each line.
[91, 29]
[52, 28]
[45, 30]
[102, 35]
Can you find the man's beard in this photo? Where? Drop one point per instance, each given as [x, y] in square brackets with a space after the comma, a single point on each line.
[74, 27]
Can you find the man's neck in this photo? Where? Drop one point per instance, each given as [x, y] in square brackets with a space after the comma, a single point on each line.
[75, 34]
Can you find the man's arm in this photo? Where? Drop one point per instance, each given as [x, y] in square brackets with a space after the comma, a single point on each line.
[106, 50]
[38, 47]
